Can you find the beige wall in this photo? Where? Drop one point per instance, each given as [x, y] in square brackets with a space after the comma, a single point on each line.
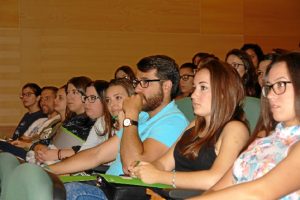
[48, 42]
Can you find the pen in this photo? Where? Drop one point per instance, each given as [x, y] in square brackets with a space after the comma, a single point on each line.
[137, 163]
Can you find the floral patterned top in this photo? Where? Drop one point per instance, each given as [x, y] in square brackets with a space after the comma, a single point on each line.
[264, 154]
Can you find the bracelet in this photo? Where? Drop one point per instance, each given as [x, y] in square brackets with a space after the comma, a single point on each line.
[59, 154]
[173, 178]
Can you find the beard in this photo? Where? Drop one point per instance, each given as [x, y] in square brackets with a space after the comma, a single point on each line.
[152, 102]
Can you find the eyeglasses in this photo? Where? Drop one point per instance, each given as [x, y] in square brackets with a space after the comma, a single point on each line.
[236, 65]
[278, 88]
[186, 77]
[143, 83]
[28, 94]
[90, 99]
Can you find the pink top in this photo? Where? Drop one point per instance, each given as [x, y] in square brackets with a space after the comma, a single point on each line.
[264, 154]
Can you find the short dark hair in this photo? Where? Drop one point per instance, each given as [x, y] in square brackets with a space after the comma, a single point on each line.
[167, 69]
[189, 66]
[52, 88]
[35, 88]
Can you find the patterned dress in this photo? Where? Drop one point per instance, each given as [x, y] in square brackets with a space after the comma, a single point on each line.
[264, 154]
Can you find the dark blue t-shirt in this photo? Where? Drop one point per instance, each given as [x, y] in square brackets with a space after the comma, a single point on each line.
[26, 121]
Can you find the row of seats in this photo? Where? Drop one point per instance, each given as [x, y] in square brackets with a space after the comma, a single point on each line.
[27, 181]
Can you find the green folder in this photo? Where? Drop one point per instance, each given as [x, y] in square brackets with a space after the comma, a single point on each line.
[113, 179]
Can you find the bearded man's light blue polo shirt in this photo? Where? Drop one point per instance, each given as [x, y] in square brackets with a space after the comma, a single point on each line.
[165, 127]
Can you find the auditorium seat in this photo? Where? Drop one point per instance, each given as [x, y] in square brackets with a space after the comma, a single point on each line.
[8, 162]
[31, 182]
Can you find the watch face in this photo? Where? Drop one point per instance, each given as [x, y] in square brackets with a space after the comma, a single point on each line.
[127, 122]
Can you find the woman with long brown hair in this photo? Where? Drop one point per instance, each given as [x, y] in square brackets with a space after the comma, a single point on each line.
[211, 143]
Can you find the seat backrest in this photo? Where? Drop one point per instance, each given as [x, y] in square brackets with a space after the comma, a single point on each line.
[29, 182]
[252, 111]
[8, 162]
[185, 105]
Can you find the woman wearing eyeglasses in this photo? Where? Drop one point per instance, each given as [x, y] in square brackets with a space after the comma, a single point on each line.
[186, 72]
[96, 109]
[269, 168]
[241, 61]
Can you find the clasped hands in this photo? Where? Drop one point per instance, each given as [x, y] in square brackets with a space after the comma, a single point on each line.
[133, 105]
[145, 171]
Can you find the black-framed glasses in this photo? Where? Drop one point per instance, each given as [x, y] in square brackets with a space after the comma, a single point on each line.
[28, 94]
[186, 77]
[278, 88]
[144, 83]
[236, 65]
[90, 99]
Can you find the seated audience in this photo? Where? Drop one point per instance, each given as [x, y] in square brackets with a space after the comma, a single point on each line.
[95, 109]
[48, 96]
[269, 168]
[76, 127]
[213, 141]
[60, 105]
[186, 72]
[145, 135]
[31, 100]
[239, 60]
[125, 72]
[20, 146]
[255, 52]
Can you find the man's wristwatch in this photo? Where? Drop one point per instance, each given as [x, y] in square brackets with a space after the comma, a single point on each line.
[128, 122]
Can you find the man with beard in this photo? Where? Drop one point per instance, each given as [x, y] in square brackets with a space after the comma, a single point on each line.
[20, 146]
[145, 135]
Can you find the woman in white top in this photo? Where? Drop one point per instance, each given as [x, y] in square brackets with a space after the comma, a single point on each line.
[110, 108]
[96, 109]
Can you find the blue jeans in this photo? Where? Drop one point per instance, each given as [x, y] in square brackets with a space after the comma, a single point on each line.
[81, 191]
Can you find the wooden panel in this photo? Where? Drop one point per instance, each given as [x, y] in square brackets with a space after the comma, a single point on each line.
[270, 42]
[9, 13]
[106, 15]
[272, 18]
[63, 54]
[9, 76]
[222, 17]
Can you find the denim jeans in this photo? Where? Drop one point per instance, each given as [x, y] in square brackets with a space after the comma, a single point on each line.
[81, 191]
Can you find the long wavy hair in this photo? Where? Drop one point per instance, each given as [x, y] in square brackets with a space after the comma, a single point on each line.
[227, 96]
